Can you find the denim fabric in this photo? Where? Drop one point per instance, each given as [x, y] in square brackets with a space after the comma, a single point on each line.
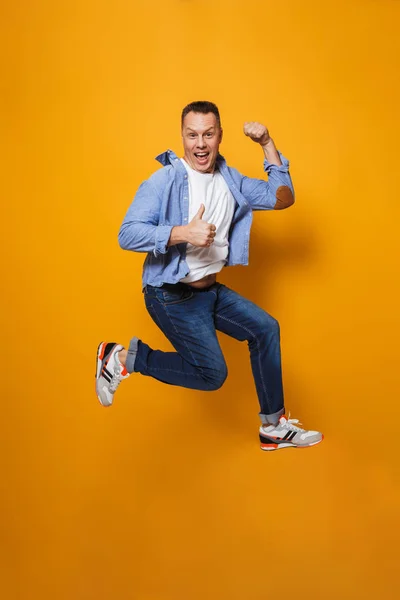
[189, 318]
[162, 201]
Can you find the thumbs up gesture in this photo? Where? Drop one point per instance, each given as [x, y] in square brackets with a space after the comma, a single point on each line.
[199, 232]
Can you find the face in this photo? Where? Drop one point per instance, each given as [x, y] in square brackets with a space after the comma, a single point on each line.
[201, 137]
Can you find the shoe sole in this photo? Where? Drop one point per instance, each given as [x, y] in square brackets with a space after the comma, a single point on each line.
[270, 447]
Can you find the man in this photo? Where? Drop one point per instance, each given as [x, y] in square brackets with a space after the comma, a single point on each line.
[192, 217]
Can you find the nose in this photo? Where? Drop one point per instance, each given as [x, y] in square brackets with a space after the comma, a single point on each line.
[200, 142]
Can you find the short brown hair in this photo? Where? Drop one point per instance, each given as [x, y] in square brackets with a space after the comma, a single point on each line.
[201, 106]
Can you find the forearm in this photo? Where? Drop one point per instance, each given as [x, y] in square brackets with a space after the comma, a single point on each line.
[144, 237]
[271, 153]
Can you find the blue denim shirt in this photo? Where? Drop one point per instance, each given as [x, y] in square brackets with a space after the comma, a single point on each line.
[162, 202]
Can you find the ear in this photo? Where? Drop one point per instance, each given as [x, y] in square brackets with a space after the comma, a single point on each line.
[220, 135]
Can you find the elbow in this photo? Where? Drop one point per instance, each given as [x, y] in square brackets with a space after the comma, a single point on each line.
[132, 237]
[122, 240]
[284, 197]
[126, 238]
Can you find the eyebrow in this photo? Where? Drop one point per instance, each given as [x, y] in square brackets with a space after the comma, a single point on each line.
[209, 129]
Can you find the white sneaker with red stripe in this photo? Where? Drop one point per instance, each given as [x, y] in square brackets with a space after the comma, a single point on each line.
[109, 371]
[287, 435]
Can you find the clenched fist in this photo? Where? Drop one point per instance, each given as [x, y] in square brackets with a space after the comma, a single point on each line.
[198, 232]
[257, 132]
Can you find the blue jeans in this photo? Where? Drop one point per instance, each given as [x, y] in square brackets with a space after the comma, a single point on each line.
[189, 318]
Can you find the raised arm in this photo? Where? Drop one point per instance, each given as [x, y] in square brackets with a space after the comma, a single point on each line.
[277, 193]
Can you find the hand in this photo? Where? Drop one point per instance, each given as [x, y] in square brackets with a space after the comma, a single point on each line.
[257, 132]
[200, 233]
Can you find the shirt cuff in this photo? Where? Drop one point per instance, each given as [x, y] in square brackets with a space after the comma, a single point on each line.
[283, 168]
[163, 233]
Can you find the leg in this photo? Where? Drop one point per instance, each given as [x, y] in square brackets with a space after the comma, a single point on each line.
[185, 316]
[245, 321]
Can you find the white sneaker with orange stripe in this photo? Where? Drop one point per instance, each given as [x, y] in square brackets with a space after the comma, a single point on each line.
[287, 435]
[109, 371]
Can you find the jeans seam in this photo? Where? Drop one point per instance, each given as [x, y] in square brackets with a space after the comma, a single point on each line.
[259, 353]
[177, 332]
[150, 306]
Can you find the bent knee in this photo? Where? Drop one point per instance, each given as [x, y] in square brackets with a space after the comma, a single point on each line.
[216, 378]
[270, 326]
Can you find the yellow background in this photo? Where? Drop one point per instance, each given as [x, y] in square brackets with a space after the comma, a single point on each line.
[166, 496]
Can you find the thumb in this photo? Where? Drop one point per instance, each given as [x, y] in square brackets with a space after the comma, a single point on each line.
[200, 212]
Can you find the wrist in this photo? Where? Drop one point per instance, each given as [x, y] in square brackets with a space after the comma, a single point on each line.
[183, 233]
[268, 145]
[178, 235]
[271, 154]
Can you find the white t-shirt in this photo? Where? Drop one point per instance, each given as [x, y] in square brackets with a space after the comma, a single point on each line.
[211, 190]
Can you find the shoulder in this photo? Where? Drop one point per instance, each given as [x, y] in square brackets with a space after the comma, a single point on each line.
[162, 176]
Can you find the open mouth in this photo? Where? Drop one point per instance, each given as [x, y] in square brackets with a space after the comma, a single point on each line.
[202, 157]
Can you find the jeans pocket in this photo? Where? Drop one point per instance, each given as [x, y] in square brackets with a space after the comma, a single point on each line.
[151, 292]
[176, 296]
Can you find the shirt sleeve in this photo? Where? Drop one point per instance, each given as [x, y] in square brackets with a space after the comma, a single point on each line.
[276, 193]
[140, 231]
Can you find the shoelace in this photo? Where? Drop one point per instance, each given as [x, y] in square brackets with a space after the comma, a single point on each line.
[290, 424]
